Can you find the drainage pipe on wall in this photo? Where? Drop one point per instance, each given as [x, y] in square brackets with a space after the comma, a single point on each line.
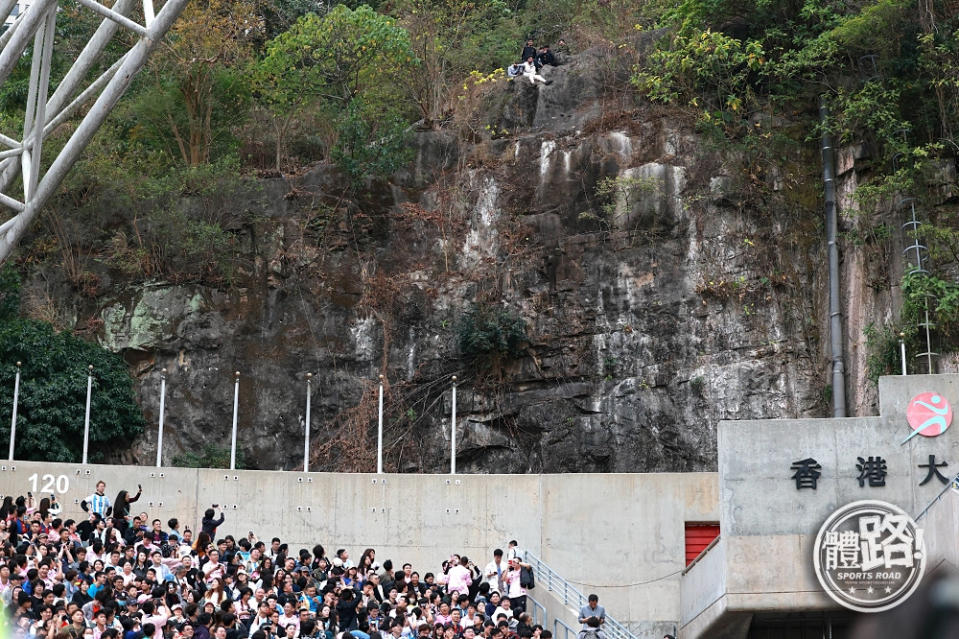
[832, 227]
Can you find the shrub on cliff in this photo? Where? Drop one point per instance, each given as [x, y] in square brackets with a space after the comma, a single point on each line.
[53, 386]
[491, 334]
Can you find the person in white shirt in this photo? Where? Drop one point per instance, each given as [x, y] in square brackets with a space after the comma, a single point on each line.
[529, 71]
[503, 608]
[213, 569]
[289, 616]
[127, 574]
[493, 573]
[274, 548]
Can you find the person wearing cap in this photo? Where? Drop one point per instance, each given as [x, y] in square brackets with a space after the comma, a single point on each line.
[176, 615]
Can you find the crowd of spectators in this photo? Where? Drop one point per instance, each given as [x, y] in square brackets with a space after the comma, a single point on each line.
[113, 574]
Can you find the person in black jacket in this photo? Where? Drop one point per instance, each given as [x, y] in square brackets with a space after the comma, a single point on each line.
[346, 609]
[121, 507]
[545, 57]
[210, 524]
[529, 50]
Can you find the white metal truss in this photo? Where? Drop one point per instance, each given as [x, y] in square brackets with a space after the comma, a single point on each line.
[21, 158]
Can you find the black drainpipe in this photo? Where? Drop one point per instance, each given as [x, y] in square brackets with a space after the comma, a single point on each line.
[832, 225]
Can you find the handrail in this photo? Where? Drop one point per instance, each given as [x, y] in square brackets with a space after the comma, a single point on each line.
[702, 553]
[539, 611]
[559, 622]
[571, 596]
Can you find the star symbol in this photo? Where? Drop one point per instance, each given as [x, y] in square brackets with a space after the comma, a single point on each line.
[888, 589]
[852, 591]
[870, 590]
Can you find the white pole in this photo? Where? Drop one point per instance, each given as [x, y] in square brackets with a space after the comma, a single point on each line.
[236, 406]
[86, 418]
[162, 407]
[902, 351]
[379, 434]
[453, 432]
[13, 421]
[306, 437]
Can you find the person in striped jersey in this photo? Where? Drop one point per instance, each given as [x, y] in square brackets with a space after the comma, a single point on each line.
[98, 502]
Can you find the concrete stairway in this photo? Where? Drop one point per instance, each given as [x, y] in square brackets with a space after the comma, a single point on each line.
[555, 603]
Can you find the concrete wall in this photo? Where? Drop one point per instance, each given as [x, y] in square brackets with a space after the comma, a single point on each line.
[769, 527]
[619, 535]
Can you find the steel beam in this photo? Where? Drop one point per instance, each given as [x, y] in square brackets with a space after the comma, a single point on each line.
[43, 115]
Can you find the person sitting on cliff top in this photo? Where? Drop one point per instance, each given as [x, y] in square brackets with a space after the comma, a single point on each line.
[545, 57]
[514, 70]
[530, 71]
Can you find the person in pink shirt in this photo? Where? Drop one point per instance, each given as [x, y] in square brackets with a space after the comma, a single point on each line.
[158, 616]
[460, 577]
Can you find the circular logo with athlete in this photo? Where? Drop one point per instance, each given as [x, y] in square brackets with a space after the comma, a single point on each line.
[869, 556]
[928, 414]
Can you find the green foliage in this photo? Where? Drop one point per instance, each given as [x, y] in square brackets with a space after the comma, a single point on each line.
[334, 57]
[864, 56]
[369, 144]
[53, 388]
[450, 38]
[9, 293]
[702, 63]
[921, 291]
[211, 456]
[346, 64]
[883, 355]
[491, 334]
[620, 191]
[156, 121]
[872, 113]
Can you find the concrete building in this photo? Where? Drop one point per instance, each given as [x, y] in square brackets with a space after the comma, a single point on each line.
[627, 537]
[759, 574]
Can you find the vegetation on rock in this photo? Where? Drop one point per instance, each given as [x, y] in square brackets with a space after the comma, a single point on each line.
[53, 388]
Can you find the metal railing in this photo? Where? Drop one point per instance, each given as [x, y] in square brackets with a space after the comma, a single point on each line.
[571, 596]
[557, 623]
[539, 611]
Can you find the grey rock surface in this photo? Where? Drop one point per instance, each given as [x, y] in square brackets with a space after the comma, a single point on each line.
[653, 312]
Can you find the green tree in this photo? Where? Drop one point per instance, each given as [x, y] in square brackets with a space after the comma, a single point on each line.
[53, 387]
[348, 63]
[451, 38]
[196, 74]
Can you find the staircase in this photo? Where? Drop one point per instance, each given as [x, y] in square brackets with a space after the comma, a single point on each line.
[571, 599]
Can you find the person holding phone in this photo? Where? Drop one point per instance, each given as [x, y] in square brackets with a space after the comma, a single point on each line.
[210, 522]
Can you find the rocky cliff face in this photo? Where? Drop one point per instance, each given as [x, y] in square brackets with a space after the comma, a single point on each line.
[665, 284]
